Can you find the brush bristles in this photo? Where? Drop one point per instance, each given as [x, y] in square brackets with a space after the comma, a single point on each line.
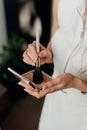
[37, 76]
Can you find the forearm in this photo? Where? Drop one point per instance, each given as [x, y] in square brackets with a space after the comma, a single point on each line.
[79, 84]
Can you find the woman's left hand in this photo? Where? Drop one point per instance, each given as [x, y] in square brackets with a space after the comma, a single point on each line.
[61, 82]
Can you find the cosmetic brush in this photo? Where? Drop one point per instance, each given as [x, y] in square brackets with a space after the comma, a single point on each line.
[24, 79]
[37, 76]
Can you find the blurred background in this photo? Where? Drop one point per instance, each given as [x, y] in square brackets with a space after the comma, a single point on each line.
[18, 18]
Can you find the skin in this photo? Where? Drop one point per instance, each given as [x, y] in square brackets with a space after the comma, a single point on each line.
[62, 81]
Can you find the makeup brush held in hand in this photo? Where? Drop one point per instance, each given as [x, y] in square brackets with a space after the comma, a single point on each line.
[37, 76]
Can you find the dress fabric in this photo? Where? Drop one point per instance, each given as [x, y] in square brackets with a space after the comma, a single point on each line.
[67, 111]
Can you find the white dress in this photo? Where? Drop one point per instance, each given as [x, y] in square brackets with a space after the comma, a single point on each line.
[67, 111]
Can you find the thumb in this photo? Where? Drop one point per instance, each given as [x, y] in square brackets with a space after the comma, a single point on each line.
[43, 54]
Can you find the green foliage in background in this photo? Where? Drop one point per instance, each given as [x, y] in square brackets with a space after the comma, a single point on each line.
[12, 56]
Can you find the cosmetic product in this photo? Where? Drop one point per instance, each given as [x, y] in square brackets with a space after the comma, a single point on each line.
[24, 79]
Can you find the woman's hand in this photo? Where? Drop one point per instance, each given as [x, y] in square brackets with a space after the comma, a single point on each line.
[30, 55]
[59, 83]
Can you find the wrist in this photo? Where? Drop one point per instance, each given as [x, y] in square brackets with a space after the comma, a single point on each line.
[79, 84]
[76, 82]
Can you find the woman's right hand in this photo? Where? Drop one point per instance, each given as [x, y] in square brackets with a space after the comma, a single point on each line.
[30, 55]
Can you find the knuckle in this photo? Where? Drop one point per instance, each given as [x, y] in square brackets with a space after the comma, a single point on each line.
[38, 97]
[27, 51]
[34, 42]
[24, 54]
[30, 46]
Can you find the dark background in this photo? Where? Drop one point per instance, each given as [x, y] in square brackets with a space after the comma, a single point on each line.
[16, 107]
[43, 9]
[12, 7]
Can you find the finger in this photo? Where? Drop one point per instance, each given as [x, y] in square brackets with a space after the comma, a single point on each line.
[29, 92]
[35, 94]
[28, 62]
[51, 83]
[43, 54]
[26, 56]
[34, 43]
[53, 89]
[44, 92]
[31, 51]
[27, 86]
[43, 57]
[57, 88]
[27, 59]
[41, 46]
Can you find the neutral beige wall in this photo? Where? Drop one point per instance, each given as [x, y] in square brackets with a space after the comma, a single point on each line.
[3, 37]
